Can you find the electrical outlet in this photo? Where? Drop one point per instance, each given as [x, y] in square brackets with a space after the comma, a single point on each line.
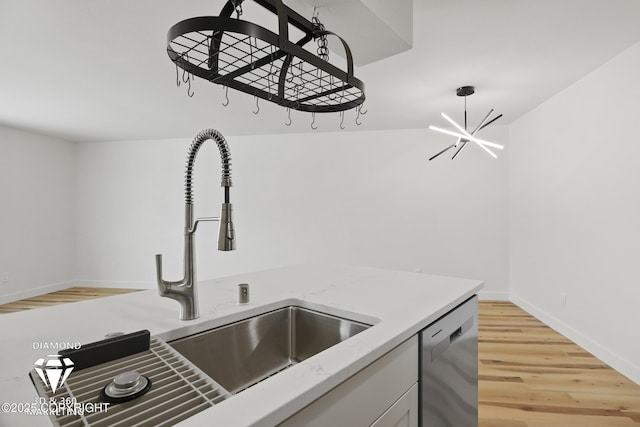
[5, 277]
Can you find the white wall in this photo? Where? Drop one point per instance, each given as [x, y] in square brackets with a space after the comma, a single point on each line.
[37, 182]
[366, 198]
[574, 172]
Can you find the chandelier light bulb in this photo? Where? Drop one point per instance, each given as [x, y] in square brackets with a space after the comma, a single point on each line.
[469, 137]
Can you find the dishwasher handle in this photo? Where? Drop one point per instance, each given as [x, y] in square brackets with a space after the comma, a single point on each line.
[455, 335]
[446, 342]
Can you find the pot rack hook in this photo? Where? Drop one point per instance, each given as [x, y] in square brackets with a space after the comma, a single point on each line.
[313, 121]
[187, 77]
[331, 86]
[190, 92]
[226, 96]
[360, 113]
[288, 116]
[257, 106]
[342, 120]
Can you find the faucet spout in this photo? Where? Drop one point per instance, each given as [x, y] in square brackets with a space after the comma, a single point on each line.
[185, 290]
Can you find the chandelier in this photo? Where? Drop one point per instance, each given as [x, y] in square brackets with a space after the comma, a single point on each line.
[463, 136]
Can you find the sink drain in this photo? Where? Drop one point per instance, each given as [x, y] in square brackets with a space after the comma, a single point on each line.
[125, 387]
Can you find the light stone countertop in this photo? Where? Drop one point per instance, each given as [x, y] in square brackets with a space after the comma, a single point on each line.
[398, 304]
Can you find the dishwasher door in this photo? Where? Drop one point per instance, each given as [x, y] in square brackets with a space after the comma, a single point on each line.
[449, 369]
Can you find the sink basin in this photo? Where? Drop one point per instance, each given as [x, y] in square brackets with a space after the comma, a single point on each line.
[244, 353]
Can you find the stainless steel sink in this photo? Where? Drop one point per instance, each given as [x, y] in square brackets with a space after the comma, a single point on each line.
[244, 353]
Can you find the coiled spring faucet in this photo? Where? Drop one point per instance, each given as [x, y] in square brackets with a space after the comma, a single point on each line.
[184, 291]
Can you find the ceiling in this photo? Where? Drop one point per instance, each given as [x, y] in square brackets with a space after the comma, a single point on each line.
[97, 70]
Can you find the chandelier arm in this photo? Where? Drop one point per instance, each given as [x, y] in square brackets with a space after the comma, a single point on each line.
[441, 152]
[459, 149]
[480, 125]
[487, 124]
[488, 144]
[487, 150]
[469, 137]
[457, 126]
[481, 143]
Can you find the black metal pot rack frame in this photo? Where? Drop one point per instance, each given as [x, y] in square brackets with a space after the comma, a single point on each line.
[249, 58]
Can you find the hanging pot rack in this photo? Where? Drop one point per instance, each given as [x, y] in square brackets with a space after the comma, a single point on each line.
[247, 57]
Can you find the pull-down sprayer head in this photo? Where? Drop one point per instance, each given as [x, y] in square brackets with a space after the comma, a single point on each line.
[226, 234]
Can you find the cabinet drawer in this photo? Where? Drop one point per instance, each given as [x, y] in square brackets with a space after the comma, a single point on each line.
[363, 398]
[403, 413]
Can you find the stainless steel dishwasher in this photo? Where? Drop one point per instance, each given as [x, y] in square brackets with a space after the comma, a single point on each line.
[449, 369]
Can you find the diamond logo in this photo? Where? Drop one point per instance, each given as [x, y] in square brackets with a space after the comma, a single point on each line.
[53, 370]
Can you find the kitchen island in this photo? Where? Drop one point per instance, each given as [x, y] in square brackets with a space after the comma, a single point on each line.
[398, 305]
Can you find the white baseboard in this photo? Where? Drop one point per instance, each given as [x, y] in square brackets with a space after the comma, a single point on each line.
[29, 293]
[493, 296]
[114, 284]
[618, 363]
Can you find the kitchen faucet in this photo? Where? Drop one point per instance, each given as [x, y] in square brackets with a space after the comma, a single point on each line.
[184, 291]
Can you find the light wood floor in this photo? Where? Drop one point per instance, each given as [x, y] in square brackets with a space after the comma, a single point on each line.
[61, 297]
[529, 375]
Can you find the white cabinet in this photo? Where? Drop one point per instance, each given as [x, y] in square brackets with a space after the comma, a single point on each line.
[383, 394]
[403, 413]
